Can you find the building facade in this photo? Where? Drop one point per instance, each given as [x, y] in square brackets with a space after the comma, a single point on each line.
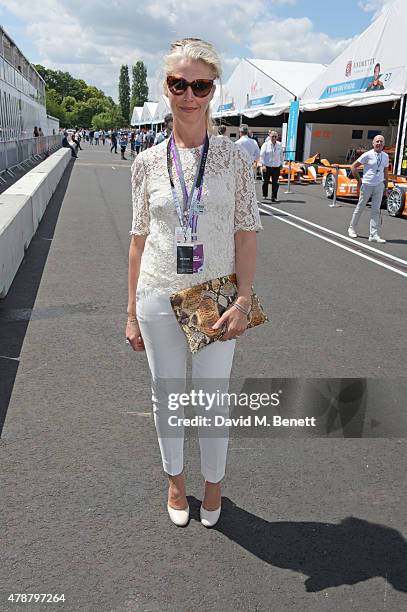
[22, 94]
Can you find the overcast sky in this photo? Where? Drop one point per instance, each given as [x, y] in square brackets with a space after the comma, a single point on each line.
[92, 38]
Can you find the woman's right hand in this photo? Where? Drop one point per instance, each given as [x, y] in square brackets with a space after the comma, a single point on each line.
[134, 335]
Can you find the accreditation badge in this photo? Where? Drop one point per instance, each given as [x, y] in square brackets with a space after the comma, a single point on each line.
[198, 255]
[185, 258]
[190, 258]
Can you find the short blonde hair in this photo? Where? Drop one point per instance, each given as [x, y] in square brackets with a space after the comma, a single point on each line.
[198, 50]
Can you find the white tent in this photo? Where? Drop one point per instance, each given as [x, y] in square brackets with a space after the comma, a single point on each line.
[148, 113]
[163, 108]
[371, 70]
[264, 87]
[136, 115]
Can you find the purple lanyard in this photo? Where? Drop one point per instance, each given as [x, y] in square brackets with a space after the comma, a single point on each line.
[188, 217]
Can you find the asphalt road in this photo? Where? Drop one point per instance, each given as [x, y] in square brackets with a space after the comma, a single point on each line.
[308, 524]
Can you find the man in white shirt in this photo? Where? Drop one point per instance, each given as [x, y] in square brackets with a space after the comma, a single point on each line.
[271, 158]
[373, 185]
[248, 144]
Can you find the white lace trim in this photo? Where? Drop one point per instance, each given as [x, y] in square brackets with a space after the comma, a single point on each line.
[230, 202]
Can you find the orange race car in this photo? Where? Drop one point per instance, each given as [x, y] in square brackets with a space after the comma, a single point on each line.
[396, 202]
[322, 166]
[297, 171]
[347, 186]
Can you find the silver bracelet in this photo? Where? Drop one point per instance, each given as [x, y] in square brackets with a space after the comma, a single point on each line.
[241, 308]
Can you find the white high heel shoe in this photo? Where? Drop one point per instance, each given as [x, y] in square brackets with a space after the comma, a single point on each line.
[178, 517]
[209, 518]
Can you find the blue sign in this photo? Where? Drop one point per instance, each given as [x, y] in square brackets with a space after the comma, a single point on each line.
[264, 101]
[292, 130]
[351, 87]
[226, 107]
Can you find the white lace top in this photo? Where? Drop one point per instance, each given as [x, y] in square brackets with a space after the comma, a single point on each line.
[230, 203]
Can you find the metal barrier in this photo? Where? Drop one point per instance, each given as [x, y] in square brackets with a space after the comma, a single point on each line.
[25, 153]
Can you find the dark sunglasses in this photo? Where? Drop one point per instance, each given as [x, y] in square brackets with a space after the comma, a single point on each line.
[200, 87]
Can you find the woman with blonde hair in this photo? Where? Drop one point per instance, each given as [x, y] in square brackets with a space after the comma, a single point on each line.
[192, 186]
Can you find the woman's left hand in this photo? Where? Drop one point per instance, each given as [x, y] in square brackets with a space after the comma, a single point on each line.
[234, 322]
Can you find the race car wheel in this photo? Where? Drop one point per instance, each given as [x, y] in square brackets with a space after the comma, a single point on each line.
[395, 201]
[330, 186]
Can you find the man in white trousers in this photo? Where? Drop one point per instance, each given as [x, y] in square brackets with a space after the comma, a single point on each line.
[373, 185]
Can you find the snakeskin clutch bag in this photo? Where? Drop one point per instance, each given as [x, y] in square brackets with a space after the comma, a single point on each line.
[199, 307]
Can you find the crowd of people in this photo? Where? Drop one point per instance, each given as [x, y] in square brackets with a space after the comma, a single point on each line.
[270, 154]
[124, 138]
[137, 140]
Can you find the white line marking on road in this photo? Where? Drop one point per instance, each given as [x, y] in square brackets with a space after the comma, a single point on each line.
[325, 229]
[266, 212]
[342, 246]
[11, 358]
[243, 448]
[108, 165]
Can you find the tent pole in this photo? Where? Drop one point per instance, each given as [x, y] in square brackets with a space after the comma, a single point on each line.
[401, 136]
[289, 177]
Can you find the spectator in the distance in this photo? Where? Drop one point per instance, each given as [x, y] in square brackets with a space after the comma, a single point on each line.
[166, 132]
[251, 135]
[66, 144]
[222, 131]
[372, 185]
[113, 140]
[76, 139]
[271, 157]
[250, 146]
[123, 144]
[139, 141]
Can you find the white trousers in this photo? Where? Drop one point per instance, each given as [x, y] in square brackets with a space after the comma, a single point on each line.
[167, 352]
[376, 193]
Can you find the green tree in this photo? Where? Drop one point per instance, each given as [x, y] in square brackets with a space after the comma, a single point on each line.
[124, 92]
[107, 120]
[68, 104]
[87, 110]
[139, 87]
[54, 108]
[92, 92]
[73, 101]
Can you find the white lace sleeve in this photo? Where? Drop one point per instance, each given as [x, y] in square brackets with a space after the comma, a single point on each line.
[247, 216]
[141, 214]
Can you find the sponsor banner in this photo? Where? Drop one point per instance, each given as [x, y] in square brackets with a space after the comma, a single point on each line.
[366, 84]
[263, 101]
[226, 107]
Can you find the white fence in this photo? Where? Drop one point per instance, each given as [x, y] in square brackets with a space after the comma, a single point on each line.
[20, 151]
